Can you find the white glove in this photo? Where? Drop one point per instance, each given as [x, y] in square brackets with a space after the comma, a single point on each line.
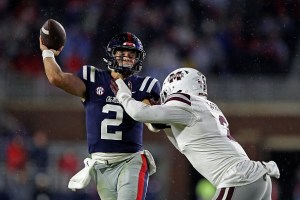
[123, 91]
[272, 168]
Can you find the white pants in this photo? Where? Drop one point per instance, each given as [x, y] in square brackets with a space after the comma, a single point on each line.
[125, 180]
[258, 190]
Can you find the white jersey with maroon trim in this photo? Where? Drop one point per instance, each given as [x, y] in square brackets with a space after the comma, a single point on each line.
[200, 131]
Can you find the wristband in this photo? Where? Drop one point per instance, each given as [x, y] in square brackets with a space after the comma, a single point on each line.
[47, 54]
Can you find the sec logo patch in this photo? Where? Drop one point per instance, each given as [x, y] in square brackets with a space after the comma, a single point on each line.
[100, 90]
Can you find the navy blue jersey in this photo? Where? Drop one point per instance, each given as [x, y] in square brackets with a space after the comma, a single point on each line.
[109, 127]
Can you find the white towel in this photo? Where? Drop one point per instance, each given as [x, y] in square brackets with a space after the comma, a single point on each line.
[83, 177]
[151, 162]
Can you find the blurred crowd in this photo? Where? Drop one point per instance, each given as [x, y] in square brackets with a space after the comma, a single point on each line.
[34, 167]
[31, 169]
[218, 37]
[221, 37]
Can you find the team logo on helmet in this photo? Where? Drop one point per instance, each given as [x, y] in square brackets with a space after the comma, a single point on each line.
[176, 76]
[130, 44]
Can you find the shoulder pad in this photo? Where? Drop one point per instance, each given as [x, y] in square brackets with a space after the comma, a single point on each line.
[148, 84]
[88, 73]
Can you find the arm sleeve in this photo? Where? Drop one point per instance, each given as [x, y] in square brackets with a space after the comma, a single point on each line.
[162, 114]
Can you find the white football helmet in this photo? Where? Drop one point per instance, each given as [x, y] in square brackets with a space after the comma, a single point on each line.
[184, 80]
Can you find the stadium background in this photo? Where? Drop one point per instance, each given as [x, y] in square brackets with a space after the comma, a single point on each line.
[249, 51]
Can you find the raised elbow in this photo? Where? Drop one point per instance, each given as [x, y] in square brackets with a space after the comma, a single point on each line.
[55, 80]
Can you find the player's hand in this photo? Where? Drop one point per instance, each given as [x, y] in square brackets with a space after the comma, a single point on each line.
[153, 102]
[120, 89]
[43, 47]
[118, 86]
[114, 87]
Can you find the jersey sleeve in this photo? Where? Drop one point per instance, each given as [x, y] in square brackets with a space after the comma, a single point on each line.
[150, 88]
[161, 114]
[155, 92]
[87, 73]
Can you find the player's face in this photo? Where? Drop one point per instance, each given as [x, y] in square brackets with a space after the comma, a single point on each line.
[126, 58]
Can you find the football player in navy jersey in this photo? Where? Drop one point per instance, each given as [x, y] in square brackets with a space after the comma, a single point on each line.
[121, 167]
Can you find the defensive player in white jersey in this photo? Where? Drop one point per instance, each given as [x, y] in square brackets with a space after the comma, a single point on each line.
[200, 131]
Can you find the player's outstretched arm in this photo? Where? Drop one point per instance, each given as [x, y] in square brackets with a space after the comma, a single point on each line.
[66, 81]
[142, 112]
[115, 89]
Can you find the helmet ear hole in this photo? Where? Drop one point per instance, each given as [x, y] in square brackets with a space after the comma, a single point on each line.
[163, 96]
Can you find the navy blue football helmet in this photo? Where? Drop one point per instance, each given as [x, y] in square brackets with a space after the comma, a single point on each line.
[125, 41]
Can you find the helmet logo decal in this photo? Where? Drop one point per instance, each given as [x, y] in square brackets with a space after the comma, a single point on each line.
[176, 76]
[100, 91]
[130, 44]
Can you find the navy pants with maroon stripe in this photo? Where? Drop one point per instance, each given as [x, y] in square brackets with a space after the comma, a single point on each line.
[258, 190]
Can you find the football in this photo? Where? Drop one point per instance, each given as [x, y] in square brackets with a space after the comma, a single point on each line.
[53, 34]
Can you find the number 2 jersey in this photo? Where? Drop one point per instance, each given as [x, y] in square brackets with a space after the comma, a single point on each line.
[109, 128]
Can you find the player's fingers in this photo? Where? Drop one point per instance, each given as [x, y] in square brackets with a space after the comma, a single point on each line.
[153, 102]
[42, 46]
[57, 52]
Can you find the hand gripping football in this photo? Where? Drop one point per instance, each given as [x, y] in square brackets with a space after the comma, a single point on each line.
[53, 34]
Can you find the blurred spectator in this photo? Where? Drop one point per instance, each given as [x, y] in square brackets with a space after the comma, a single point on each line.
[27, 63]
[227, 36]
[16, 155]
[68, 166]
[68, 163]
[39, 152]
[74, 57]
[42, 190]
[18, 186]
